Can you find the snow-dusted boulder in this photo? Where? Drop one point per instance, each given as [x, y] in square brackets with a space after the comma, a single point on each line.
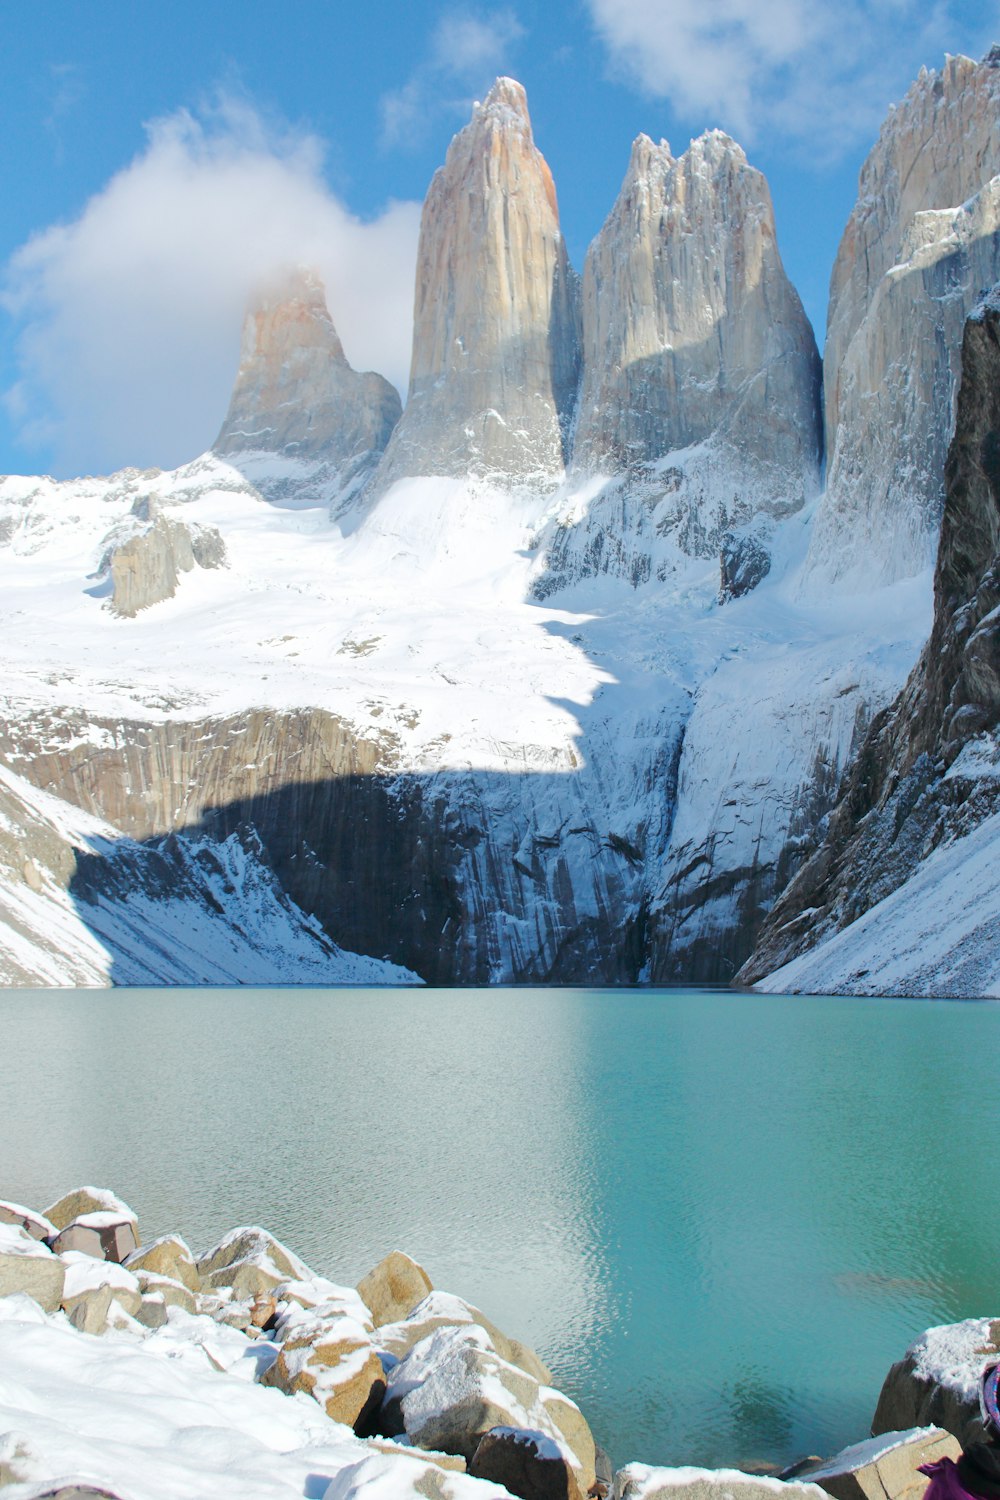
[91, 1285]
[445, 1310]
[394, 1287]
[644, 1482]
[144, 567]
[173, 1293]
[108, 1235]
[35, 1224]
[885, 1467]
[168, 1256]
[331, 1359]
[251, 1261]
[526, 1463]
[28, 1266]
[381, 1475]
[937, 1381]
[453, 1387]
[88, 1200]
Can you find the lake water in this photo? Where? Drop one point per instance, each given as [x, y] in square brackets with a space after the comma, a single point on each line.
[719, 1217]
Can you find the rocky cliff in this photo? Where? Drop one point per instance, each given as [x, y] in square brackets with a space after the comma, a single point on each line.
[926, 774]
[495, 340]
[296, 397]
[692, 331]
[921, 246]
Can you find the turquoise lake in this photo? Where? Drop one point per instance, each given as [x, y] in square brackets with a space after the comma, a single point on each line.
[718, 1217]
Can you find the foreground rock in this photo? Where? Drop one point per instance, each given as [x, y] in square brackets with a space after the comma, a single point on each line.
[393, 1288]
[106, 1236]
[527, 1464]
[251, 1261]
[332, 1360]
[445, 1310]
[885, 1468]
[937, 1381]
[168, 1256]
[89, 1200]
[28, 1266]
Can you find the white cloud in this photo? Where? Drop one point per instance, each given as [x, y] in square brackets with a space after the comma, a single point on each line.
[130, 315]
[467, 49]
[818, 76]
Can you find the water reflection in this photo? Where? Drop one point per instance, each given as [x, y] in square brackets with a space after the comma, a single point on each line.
[719, 1218]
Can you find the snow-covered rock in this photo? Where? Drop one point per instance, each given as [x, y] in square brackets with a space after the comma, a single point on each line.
[886, 1467]
[643, 1482]
[29, 1267]
[937, 1381]
[393, 1288]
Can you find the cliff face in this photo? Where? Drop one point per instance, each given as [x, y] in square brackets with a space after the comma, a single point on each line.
[691, 330]
[295, 393]
[495, 340]
[926, 774]
[922, 244]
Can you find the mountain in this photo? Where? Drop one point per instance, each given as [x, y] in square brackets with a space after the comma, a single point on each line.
[919, 250]
[917, 826]
[496, 319]
[541, 681]
[299, 414]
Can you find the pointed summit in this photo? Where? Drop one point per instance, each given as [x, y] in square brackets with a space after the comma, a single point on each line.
[495, 340]
[295, 393]
[691, 330]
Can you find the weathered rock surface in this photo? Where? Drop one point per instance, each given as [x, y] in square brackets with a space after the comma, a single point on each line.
[921, 245]
[884, 1468]
[295, 393]
[168, 1256]
[495, 341]
[393, 1288]
[30, 1267]
[527, 1464]
[906, 792]
[937, 1381]
[692, 333]
[744, 561]
[643, 1482]
[172, 1293]
[87, 1280]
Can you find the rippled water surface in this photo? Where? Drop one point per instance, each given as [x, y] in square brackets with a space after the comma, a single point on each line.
[719, 1218]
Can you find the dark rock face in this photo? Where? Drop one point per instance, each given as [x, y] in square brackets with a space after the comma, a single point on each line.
[897, 804]
[743, 562]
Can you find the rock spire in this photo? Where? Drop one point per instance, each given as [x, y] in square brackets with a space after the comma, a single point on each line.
[921, 244]
[495, 342]
[691, 329]
[295, 393]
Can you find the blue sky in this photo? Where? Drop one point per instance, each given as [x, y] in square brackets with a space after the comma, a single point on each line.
[155, 157]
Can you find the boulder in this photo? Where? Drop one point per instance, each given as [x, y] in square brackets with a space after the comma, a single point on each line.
[937, 1381]
[643, 1482]
[88, 1200]
[168, 1256]
[319, 1293]
[744, 562]
[410, 1477]
[393, 1288]
[86, 1276]
[89, 1312]
[528, 1464]
[884, 1468]
[450, 1461]
[28, 1266]
[251, 1261]
[152, 1312]
[174, 1293]
[37, 1225]
[106, 1236]
[443, 1310]
[453, 1388]
[332, 1360]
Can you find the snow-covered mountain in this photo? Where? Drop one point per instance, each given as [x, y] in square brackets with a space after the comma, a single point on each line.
[544, 692]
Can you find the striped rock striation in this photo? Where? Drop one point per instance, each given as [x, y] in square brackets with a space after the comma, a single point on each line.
[495, 343]
[920, 247]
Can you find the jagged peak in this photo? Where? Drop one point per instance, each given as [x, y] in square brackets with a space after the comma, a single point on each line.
[506, 103]
[289, 304]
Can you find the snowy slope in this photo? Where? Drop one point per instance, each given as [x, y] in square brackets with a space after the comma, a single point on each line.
[540, 738]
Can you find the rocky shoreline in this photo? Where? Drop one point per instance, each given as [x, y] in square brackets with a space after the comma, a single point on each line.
[135, 1371]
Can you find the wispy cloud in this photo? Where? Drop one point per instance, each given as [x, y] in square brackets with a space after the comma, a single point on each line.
[66, 89]
[466, 50]
[818, 76]
[129, 316]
